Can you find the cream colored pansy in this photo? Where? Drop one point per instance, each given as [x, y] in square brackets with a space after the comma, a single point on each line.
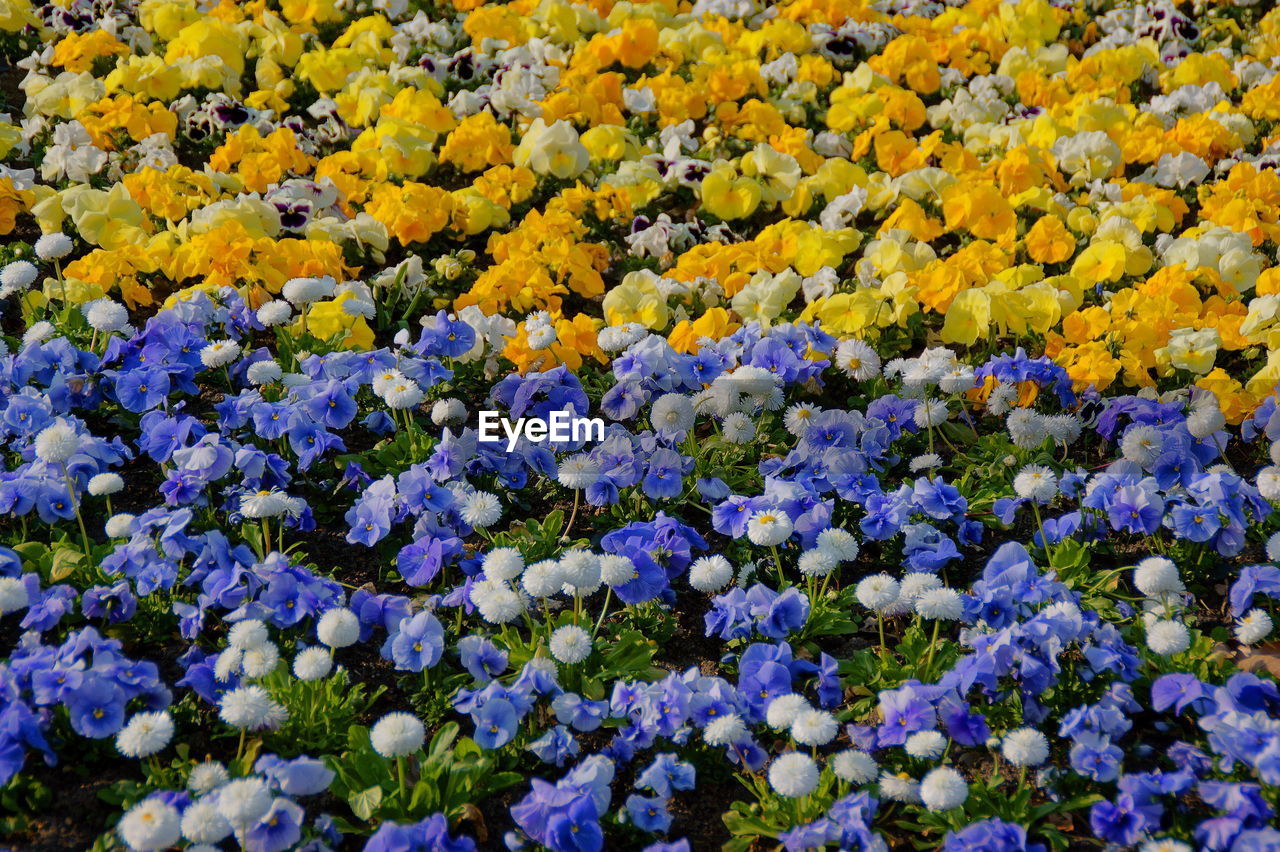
[552, 150]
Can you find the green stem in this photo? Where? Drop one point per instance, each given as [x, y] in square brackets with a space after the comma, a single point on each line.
[75, 504]
[577, 495]
[933, 644]
[608, 594]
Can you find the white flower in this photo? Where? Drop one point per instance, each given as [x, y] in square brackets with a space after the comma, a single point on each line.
[227, 664]
[793, 775]
[1273, 547]
[13, 595]
[57, 442]
[1165, 844]
[927, 461]
[927, 745]
[725, 730]
[403, 394]
[1254, 627]
[105, 484]
[672, 413]
[580, 570]
[784, 709]
[839, 543]
[244, 801]
[312, 663]
[877, 592]
[540, 336]
[150, 825]
[1204, 420]
[1025, 747]
[943, 789]
[1035, 482]
[578, 471]
[615, 338]
[145, 734]
[246, 634]
[1142, 444]
[1180, 170]
[260, 661]
[738, 428]
[219, 353]
[304, 291]
[38, 332]
[856, 767]
[1268, 482]
[263, 372]
[448, 411]
[857, 360]
[496, 602]
[53, 246]
[930, 412]
[542, 579]
[941, 604]
[899, 787]
[274, 313]
[1168, 637]
[202, 823]
[816, 563]
[710, 573]
[503, 563]
[119, 525]
[338, 627]
[1063, 428]
[814, 727]
[570, 644]
[105, 316]
[769, 528]
[958, 380]
[1027, 429]
[397, 734]
[207, 777]
[913, 586]
[251, 708]
[797, 418]
[1156, 576]
[616, 569]
[17, 276]
[481, 509]
[264, 504]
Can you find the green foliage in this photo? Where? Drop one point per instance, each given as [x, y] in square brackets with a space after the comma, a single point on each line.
[448, 777]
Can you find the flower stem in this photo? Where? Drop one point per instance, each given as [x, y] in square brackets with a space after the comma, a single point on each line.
[75, 504]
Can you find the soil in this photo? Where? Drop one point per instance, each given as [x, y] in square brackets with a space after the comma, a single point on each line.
[74, 818]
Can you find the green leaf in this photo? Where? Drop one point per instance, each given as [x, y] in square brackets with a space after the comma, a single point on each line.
[365, 803]
[65, 563]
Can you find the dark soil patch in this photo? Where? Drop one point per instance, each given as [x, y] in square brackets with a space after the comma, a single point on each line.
[76, 815]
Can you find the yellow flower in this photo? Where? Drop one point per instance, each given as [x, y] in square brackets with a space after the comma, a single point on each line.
[1101, 261]
[727, 196]
[610, 142]
[330, 319]
[967, 318]
[1049, 241]
[715, 323]
[477, 143]
[554, 150]
[209, 37]
[107, 218]
[636, 299]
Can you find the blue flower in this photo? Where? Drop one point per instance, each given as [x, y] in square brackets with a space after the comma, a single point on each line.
[496, 723]
[648, 813]
[417, 644]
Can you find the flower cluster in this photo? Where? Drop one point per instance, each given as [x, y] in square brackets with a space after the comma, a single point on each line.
[929, 353]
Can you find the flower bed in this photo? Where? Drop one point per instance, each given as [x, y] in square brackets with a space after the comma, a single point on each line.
[667, 426]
